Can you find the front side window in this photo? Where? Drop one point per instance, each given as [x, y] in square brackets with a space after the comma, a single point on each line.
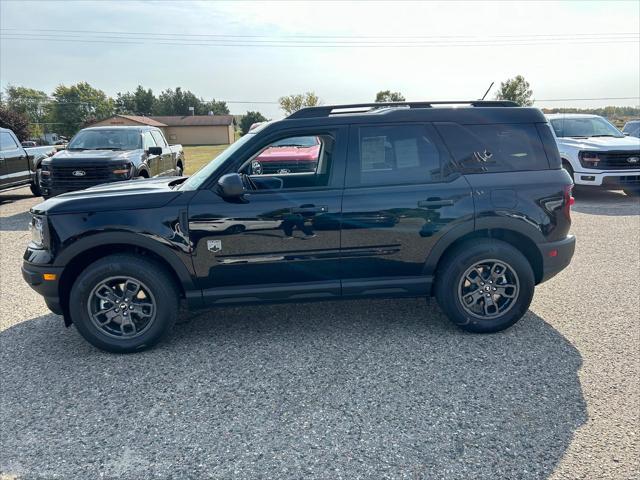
[148, 141]
[7, 142]
[584, 127]
[157, 136]
[292, 162]
[398, 154]
[495, 148]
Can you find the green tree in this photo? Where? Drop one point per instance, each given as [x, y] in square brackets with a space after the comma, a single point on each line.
[139, 102]
[249, 119]
[216, 107]
[293, 103]
[16, 121]
[516, 89]
[389, 96]
[73, 106]
[34, 104]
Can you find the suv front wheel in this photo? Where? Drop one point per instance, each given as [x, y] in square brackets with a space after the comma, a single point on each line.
[485, 286]
[123, 303]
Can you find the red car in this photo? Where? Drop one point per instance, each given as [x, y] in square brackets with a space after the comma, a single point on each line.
[289, 155]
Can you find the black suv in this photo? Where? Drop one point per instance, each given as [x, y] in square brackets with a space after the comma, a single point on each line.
[467, 202]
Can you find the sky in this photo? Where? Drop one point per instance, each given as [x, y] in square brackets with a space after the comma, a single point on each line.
[344, 52]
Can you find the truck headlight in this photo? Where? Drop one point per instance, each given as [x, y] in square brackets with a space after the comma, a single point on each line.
[123, 170]
[589, 159]
[38, 231]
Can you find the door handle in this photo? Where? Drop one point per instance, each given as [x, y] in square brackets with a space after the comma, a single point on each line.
[310, 209]
[434, 202]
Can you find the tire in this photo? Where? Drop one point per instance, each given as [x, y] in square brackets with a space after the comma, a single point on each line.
[632, 192]
[35, 185]
[567, 166]
[178, 171]
[103, 287]
[453, 284]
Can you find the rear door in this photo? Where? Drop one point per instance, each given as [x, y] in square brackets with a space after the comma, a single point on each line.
[402, 195]
[14, 166]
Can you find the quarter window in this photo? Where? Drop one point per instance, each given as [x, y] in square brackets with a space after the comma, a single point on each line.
[495, 148]
[400, 154]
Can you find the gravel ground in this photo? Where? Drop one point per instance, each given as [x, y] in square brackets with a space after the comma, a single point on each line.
[358, 389]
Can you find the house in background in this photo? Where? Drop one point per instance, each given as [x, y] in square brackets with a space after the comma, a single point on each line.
[186, 130]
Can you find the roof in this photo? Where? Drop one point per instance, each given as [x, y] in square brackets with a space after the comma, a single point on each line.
[462, 115]
[193, 120]
[144, 120]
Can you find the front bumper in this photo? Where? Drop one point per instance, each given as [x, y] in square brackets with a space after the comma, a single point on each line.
[556, 256]
[611, 179]
[34, 275]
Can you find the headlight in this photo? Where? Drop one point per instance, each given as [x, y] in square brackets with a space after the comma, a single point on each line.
[589, 159]
[37, 228]
[123, 170]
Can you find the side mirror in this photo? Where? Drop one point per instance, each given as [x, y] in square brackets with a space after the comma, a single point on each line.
[231, 186]
[626, 134]
[155, 151]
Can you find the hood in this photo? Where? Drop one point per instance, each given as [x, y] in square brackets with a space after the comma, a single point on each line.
[289, 153]
[601, 143]
[126, 195]
[88, 157]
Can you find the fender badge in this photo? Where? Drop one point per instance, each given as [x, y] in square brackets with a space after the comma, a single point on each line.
[214, 245]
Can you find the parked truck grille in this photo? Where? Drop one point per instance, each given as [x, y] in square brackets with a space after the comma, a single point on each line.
[618, 160]
[288, 167]
[80, 173]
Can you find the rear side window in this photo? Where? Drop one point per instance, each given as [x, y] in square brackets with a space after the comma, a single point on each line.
[399, 154]
[494, 148]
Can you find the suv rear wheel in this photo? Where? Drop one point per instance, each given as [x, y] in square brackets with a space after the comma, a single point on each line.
[123, 303]
[485, 286]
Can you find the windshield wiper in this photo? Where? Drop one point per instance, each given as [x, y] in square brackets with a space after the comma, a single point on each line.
[107, 148]
[76, 149]
[606, 135]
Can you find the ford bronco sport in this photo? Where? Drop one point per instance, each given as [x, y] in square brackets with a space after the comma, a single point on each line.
[467, 201]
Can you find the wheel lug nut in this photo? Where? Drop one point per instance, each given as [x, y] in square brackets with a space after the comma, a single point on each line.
[131, 306]
[117, 311]
[494, 289]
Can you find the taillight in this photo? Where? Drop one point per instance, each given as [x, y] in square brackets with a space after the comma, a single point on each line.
[568, 201]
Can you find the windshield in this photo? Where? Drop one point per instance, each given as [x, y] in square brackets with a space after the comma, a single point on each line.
[106, 140]
[198, 178]
[584, 127]
[296, 142]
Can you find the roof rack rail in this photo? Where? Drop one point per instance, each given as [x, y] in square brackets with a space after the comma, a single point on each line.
[326, 110]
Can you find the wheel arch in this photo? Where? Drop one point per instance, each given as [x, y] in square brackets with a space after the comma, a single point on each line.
[90, 249]
[517, 239]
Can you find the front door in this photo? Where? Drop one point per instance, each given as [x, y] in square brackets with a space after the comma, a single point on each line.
[153, 161]
[282, 239]
[401, 196]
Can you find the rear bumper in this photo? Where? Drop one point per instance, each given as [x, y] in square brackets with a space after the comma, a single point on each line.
[556, 256]
[34, 276]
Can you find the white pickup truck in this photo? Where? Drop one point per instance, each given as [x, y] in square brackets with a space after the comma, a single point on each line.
[596, 153]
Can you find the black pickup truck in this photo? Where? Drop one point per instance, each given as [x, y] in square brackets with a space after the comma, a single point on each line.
[470, 204]
[20, 165]
[110, 154]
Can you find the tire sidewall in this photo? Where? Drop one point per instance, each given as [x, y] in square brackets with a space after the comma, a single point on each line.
[151, 274]
[449, 281]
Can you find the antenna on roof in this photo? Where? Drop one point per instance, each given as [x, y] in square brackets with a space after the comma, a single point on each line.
[485, 93]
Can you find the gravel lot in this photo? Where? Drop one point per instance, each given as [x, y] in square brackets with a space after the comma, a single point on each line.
[358, 389]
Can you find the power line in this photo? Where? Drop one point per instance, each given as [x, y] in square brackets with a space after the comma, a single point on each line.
[295, 36]
[298, 45]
